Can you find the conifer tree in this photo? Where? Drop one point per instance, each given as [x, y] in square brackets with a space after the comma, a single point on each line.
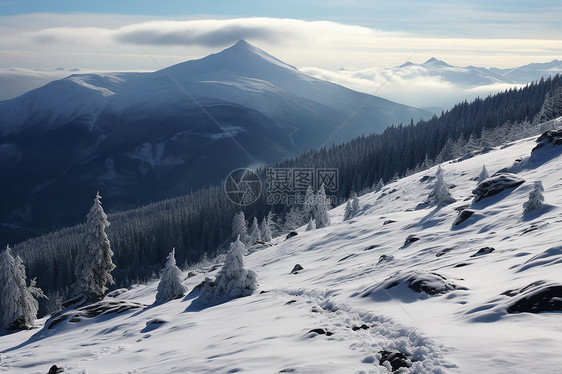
[265, 229]
[536, 198]
[255, 235]
[233, 280]
[310, 225]
[294, 219]
[309, 206]
[348, 211]
[18, 304]
[94, 265]
[322, 218]
[170, 286]
[440, 194]
[483, 174]
[239, 227]
[355, 205]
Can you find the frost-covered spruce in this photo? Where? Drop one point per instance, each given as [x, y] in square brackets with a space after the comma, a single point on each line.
[255, 234]
[93, 264]
[233, 280]
[170, 286]
[347, 212]
[239, 227]
[18, 304]
[310, 225]
[310, 205]
[355, 205]
[483, 174]
[294, 219]
[378, 186]
[322, 218]
[440, 194]
[265, 229]
[536, 198]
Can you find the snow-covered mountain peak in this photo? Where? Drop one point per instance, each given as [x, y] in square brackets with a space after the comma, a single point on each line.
[435, 61]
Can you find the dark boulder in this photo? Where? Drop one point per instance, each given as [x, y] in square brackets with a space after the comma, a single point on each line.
[553, 137]
[296, 269]
[537, 297]
[291, 234]
[410, 239]
[463, 216]
[105, 307]
[497, 183]
[484, 251]
[321, 332]
[396, 359]
[55, 370]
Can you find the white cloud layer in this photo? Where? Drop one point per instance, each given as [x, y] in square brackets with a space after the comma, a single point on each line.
[111, 42]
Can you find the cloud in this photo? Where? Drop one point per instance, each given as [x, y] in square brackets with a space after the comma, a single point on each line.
[412, 86]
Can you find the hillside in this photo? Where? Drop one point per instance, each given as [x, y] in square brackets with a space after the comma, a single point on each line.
[142, 137]
[354, 285]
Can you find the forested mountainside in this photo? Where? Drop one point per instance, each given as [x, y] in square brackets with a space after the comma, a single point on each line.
[200, 223]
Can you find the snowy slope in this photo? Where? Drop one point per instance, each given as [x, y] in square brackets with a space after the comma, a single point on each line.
[466, 330]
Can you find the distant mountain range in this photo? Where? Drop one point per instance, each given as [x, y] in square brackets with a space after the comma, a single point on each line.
[473, 76]
[141, 137]
[434, 84]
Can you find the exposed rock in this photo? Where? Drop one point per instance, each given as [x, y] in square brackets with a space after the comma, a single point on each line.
[536, 297]
[191, 274]
[371, 247]
[385, 258]
[322, 332]
[362, 327]
[553, 137]
[396, 359]
[291, 234]
[388, 221]
[426, 178]
[421, 282]
[410, 239]
[499, 182]
[444, 251]
[290, 302]
[55, 370]
[103, 307]
[484, 251]
[296, 269]
[463, 216]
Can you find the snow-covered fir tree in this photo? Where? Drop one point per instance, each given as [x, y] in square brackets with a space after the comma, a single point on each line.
[170, 286]
[310, 225]
[322, 217]
[240, 228]
[483, 174]
[536, 198]
[265, 229]
[378, 186]
[440, 194]
[255, 234]
[94, 265]
[18, 304]
[294, 219]
[233, 280]
[348, 211]
[355, 205]
[309, 205]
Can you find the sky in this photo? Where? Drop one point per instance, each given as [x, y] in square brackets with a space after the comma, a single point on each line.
[126, 35]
